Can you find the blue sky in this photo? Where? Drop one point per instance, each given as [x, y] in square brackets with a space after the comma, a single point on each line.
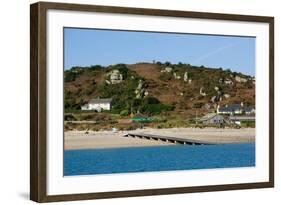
[85, 47]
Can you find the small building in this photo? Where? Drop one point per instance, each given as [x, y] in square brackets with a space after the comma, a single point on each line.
[250, 110]
[239, 119]
[98, 104]
[140, 118]
[236, 109]
[212, 118]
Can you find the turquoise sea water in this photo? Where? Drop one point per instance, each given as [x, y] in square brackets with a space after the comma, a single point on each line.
[158, 158]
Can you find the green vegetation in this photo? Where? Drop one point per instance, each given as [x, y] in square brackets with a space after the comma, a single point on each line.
[69, 117]
[169, 101]
[125, 72]
[166, 76]
[73, 73]
[155, 109]
[248, 124]
[124, 113]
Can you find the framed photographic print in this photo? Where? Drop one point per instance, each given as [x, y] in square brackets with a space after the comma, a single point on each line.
[135, 102]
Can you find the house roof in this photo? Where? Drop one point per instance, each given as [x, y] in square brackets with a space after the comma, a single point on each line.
[209, 116]
[230, 108]
[100, 100]
[249, 109]
[235, 107]
[242, 117]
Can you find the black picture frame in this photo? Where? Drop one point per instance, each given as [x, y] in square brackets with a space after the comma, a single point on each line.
[38, 103]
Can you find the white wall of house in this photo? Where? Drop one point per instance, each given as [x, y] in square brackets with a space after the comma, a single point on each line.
[238, 111]
[85, 107]
[253, 111]
[98, 106]
[218, 112]
[237, 122]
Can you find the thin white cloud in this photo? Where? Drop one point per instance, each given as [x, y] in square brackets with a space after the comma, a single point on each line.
[214, 52]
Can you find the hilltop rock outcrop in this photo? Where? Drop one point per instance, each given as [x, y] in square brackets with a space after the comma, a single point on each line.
[167, 70]
[177, 76]
[240, 79]
[141, 90]
[115, 77]
[185, 77]
[202, 91]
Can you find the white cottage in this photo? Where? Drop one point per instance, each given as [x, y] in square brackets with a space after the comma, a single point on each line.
[98, 104]
[236, 109]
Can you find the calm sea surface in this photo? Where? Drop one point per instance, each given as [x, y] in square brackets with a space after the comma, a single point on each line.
[158, 158]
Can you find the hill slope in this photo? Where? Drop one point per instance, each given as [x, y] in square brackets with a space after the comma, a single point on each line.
[178, 89]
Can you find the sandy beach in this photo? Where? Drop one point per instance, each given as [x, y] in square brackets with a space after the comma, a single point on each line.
[108, 139]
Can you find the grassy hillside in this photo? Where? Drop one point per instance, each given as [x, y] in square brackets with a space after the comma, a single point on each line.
[173, 94]
[167, 88]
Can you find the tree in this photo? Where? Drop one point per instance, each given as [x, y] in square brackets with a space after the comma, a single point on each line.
[124, 71]
[167, 63]
[124, 113]
[95, 67]
[151, 100]
[158, 63]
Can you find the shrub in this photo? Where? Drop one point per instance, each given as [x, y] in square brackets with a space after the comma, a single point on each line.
[99, 117]
[167, 63]
[248, 124]
[126, 126]
[198, 105]
[70, 104]
[158, 63]
[180, 64]
[95, 67]
[87, 117]
[122, 69]
[155, 109]
[72, 74]
[88, 91]
[136, 102]
[69, 117]
[69, 76]
[124, 113]
[151, 100]
[166, 76]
